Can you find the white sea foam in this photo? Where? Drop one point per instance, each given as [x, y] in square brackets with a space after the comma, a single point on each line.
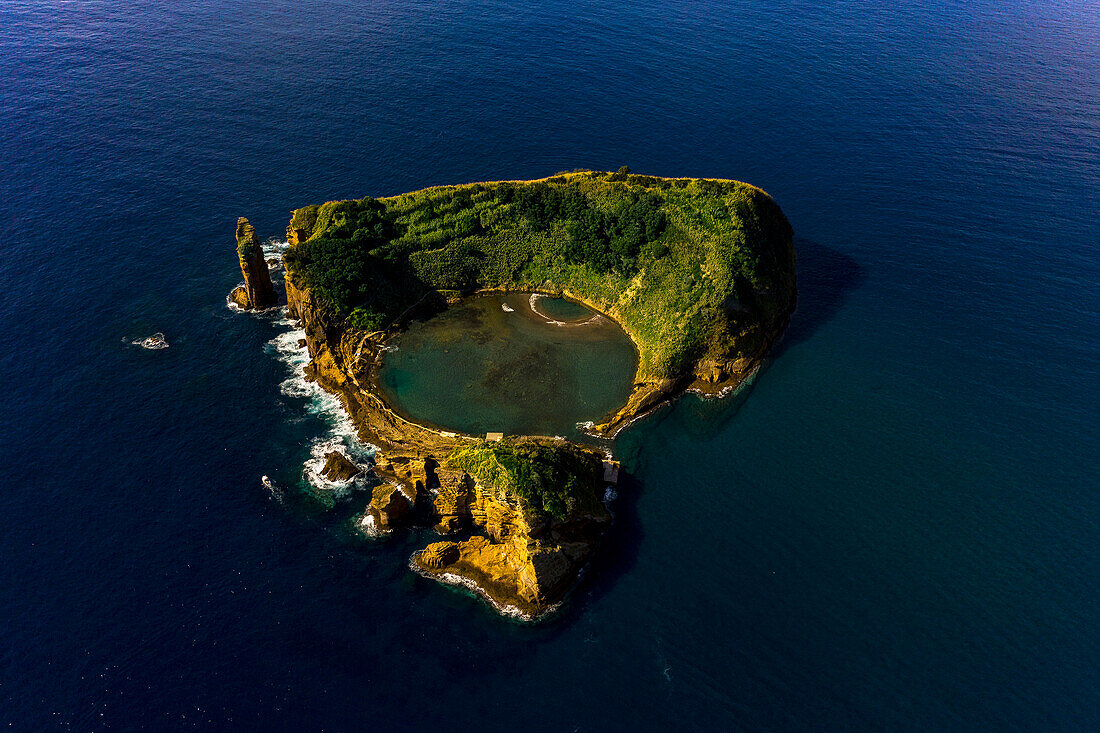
[366, 524]
[341, 438]
[154, 342]
[610, 495]
[229, 299]
[744, 384]
[460, 581]
[319, 451]
[507, 308]
[273, 250]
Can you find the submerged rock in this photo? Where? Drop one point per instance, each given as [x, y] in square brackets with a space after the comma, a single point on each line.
[155, 342]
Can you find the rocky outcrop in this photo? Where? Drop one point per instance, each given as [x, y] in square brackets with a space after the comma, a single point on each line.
[438, 555]
[513, 528]
[390, 506]
[524, 575]
[295, 235]
[523, 563]
[453, 497]
[257, 291]
[339, 467]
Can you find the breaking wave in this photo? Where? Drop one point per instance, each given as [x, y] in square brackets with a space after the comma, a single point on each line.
[154, 342]
[273, 250]
[289, 348]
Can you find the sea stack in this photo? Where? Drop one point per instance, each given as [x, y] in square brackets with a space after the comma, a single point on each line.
[257, 291]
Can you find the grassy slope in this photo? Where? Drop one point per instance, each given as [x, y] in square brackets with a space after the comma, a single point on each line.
[692, 269]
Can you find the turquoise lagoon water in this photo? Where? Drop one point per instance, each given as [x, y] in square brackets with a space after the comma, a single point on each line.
[513, 363]
[896, 528]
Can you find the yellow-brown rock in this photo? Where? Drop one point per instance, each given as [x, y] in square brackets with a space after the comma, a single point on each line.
[257, 291]
[295, 235]
[438, 555]
[240, 297]
[390, 506]
[452, 500]
[517, 561]
[339, 467]
[547, 572]
[523, 563]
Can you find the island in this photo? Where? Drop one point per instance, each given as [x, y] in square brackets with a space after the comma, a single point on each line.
[699, 273]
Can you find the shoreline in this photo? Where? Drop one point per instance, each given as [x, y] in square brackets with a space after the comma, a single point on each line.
[455, 580]
[373, 370]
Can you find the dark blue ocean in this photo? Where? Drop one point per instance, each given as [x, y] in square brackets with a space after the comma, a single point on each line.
[896, 528]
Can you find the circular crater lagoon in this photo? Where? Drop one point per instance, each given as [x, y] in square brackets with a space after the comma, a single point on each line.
[515, 364]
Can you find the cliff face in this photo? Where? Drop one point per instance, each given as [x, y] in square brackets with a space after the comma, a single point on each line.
[257, 291]
[699, 273]
[523, 562]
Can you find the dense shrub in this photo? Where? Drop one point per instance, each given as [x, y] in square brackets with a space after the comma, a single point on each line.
[305, 218]
[554, 480]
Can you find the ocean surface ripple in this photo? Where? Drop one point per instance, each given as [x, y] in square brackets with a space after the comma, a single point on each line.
[895, 528]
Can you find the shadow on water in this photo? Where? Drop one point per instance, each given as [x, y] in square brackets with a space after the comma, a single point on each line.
[704, 417]
[826, 277]
[614, 559]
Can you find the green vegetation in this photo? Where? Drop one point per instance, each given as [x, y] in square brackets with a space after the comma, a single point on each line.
[548, 479]
[246, 248]
[690, 268]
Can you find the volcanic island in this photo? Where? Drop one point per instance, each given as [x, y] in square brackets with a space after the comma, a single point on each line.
[699, 273]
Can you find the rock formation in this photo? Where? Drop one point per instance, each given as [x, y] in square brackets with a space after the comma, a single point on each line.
[390, 506]
[523, 561]
[339, 468]
[520, 562]
[257, 291]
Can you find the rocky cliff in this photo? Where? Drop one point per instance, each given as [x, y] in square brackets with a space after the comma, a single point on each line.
[522, 560]
[257, 291]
